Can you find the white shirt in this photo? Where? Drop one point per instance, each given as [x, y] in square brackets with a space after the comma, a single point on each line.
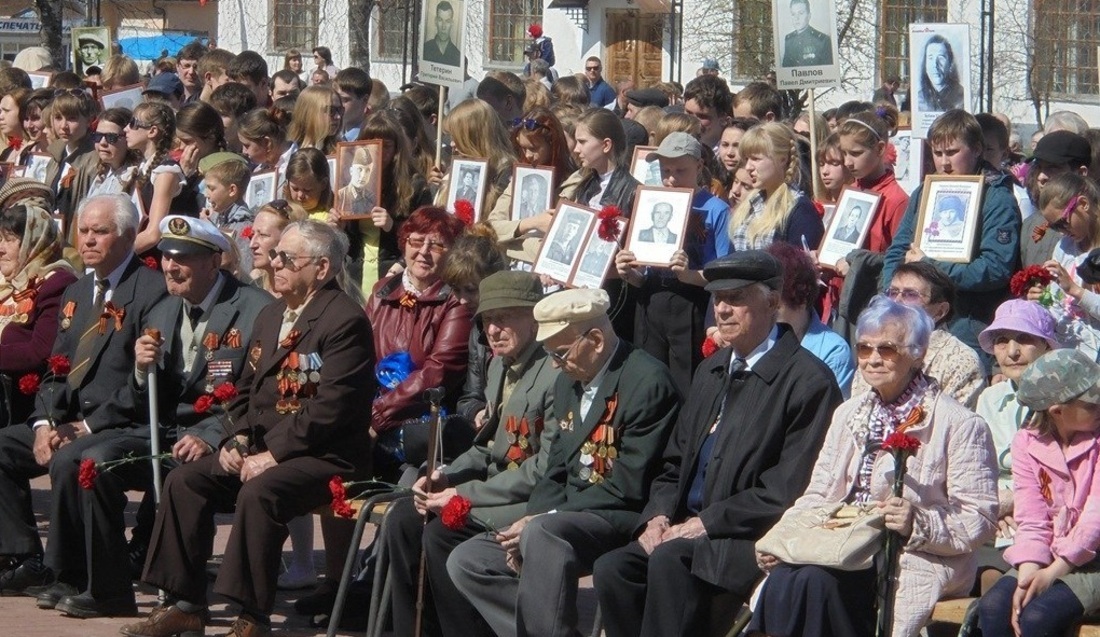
[605, 179]
[593, 386]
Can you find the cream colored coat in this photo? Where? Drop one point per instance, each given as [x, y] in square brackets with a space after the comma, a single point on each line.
[951, 481]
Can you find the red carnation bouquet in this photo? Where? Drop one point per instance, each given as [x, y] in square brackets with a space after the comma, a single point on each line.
[456, 514]
[609, 228]
[464, 210]
[341, 503]
[709, 347]
[57, 367]
[1033, 275]
[90, 470]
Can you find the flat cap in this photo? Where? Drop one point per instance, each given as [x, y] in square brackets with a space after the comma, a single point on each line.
[1063, 147]
[180, 235]
[167, 83]
[218, 158]
[675, 145]
[1057, 377]
[562, 309]
[647, 97]
[738, 269]
[508, 288]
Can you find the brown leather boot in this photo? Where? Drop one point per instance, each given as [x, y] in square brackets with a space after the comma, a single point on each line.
[167, 621]
[246, 626]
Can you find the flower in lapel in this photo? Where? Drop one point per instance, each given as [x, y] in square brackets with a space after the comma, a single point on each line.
[291, 339]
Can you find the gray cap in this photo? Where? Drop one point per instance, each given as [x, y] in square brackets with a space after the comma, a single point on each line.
[738, 269]
[1059, 377]
[677, 145]
[562, 309]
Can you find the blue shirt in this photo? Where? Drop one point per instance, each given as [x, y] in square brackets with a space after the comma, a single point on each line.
[833, 350]
[714, 240]
[601, 94]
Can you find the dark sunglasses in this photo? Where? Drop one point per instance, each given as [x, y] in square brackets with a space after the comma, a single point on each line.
[135, 124]
[886, 351]
[75, 92]
[112, 138]
[527, 124]
[1062, 223]
[592, 68]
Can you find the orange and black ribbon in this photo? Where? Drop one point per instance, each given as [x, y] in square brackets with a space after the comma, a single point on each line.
[110, 310]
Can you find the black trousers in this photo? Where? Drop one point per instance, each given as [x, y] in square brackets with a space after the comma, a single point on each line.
[183, 535]
[446, 610]
[18, 531]
[653, 595]
[668, 325]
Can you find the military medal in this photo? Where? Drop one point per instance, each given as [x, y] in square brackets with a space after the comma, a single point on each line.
[232, 338]
[585, 473]
[567, 422]
[67, 315]
[210, 342]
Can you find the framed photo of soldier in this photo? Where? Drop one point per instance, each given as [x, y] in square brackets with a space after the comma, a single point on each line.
[848, 227]
[532, 192]
[91, 47]
[950, 206]
[909, 165]
[561, 249]
[442, 29]
[125, 97]
[261, 189]
[596, 258]
[646, 172]
[467, 181]
[939, 65]
[658, 224]
[804, 38]
[358, 178]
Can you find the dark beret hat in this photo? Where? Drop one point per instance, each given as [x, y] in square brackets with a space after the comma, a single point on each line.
[738, 269]
[647, 97]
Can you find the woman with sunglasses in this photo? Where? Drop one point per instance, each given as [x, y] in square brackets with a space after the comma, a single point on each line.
[73, 160]
[947, 509]
[317, 120]
[539, 140]
[117, 161]
[1070, 203]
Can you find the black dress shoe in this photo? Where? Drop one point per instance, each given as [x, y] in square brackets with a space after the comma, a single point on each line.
[85, 606]
[319, 601]
[48, 598]
[30, 573]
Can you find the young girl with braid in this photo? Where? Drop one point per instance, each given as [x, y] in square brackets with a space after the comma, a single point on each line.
[159, 179]
[774, 210]
[199, 133]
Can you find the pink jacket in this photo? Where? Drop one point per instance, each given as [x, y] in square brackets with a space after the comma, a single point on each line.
[1057, 499]
[951, 481]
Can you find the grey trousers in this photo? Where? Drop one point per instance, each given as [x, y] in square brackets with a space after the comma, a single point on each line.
[558, 549]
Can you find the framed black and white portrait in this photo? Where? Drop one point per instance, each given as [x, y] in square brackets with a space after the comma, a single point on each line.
[561, 248]
[467, 181]
[658, 224]
[261, 189]
[939, 65]
[532, 191]
[847, 230]
[358, 180]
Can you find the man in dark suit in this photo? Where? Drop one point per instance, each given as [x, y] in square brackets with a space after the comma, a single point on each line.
[100, 318]
[295, 425]
[203, 325]
[659, 232]
[514, 436]
[615, 405]
[441, 49]
[805, 45]
[740, 454]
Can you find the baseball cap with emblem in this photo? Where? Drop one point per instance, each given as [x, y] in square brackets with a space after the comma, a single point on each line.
[741, 268]
[167, 83]
[677, 145]
[507, 289]
[180, 235]
[1059, 377]
[562, 309]
[219, 158]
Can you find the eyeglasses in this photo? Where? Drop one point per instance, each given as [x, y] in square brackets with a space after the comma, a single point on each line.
[435, 247]
[112, 138]
[886, 351]
[136, 124]
[906, 295]
[561, 357]
[75, 92]
[528, 124]
[287, 259]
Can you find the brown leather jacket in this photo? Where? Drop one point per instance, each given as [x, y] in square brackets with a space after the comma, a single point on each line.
[435, 331]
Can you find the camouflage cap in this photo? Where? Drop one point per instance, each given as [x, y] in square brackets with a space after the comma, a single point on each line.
[1059, 377]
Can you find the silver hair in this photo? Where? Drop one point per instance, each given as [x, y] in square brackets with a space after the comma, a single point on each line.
[125, 212]
[1066, 120]
[882, 311]
[323, 241]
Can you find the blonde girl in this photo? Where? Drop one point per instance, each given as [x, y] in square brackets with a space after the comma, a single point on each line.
[774, 210]
[317, 119]
[159, 179]
[476, 131]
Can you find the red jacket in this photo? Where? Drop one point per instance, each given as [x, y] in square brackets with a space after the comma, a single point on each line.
[890, 210]
[435, 331]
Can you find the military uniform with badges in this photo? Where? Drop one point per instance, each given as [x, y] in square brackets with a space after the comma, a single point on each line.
[808, 47]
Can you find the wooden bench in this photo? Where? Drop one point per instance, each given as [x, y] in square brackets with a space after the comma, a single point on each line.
[948, 615]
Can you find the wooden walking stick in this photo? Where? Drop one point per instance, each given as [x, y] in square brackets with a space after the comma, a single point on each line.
[435, 448]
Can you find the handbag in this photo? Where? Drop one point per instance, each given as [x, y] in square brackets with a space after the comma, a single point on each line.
[837, 535]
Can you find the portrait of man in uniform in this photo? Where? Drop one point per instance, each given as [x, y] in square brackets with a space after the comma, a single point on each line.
[805, 45]
[440, 48]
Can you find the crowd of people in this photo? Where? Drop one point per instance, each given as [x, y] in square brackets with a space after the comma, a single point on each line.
[649, 431]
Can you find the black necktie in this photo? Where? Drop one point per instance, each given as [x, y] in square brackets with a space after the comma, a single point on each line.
[193, 315]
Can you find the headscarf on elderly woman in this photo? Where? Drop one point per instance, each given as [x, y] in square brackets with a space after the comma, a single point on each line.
[32, 278]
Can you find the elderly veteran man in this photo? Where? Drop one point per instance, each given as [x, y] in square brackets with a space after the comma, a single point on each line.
[203, 305]
[615, 405]
[739, 456]
[90, 406]
[294, 425]
[496, 475]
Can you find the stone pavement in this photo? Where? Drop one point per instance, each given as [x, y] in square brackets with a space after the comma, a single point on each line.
[22, 619]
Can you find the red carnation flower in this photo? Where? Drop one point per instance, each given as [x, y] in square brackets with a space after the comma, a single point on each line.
[88, 474]
[203, 403]
[535, 31]
[30, 384]
[59, 365]
[608, 229]
[15, 143]
[455, 513]
[246, 232]
[709, 347]
[1028, 278]
[150, 262]
[340, 504]
[899, 441]
[464, 210]
[225, 392]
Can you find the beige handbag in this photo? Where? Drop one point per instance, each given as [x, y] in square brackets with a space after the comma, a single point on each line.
[837, 535]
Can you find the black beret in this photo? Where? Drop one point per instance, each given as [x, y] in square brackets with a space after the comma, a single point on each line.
[647, 97]
[738, 269]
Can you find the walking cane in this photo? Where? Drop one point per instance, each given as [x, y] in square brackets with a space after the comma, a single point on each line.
[154, 432]
[434, 397]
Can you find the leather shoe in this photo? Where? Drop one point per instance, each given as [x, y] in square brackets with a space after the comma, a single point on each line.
[48, 598]
[247, 627]
[85, 606]
[30, 573]
[319, 601]
[167, 621]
